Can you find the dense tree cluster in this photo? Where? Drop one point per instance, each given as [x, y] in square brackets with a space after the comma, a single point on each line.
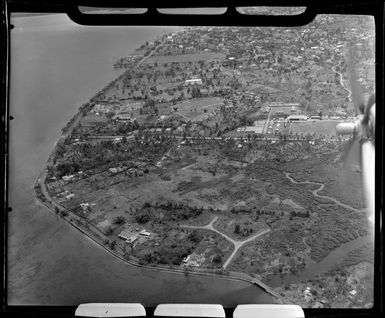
[170, 210]
[119, 220]
[172, 253]
[243, 231]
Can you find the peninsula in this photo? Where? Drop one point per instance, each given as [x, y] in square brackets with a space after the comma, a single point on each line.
[215, 153]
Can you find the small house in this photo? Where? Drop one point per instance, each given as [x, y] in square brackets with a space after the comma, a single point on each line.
[144, 233]
[128, 236]
[67, 178]
[69, 196]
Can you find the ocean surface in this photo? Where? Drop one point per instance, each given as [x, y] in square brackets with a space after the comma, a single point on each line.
[56, 66]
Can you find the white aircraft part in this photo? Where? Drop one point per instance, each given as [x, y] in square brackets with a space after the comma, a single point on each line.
[110, 310]
[368, 173]
[268, 311]
[190, 310]
[372, 116]
[346, 128]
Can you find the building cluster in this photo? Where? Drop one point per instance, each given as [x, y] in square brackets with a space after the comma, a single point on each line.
[134, 236]
[290, 57]
[193, 260]
[324, 38]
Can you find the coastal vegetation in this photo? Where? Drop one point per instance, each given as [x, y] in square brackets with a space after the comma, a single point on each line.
[189, 160]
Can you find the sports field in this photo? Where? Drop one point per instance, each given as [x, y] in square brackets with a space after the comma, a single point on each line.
[325, 127]
[198, 109]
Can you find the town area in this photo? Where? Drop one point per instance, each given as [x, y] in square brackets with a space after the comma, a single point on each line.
[216, 151]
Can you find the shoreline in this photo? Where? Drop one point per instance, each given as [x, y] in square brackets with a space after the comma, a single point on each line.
[58, 209]
[228, 276]
[40, 260]
[102, 240]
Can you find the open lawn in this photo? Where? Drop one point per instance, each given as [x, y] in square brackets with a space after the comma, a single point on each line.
[278, 109]
[92, 120]
[198, 109]
[324, 127]
[239, 226]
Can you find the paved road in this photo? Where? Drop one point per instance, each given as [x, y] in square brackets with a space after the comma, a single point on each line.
[267, 121]
[237, 244]
[151, 53]
[51, 203]
[184, 116]
[299, 37]
[264, 138]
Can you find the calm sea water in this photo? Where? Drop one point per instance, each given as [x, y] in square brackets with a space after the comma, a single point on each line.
[56, 66]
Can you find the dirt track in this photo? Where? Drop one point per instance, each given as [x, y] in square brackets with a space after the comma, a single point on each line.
[237, 244]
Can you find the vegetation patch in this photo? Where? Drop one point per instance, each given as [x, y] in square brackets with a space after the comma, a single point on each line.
[193, 57]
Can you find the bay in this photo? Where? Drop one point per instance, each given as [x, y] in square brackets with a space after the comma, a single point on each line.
[56, 66]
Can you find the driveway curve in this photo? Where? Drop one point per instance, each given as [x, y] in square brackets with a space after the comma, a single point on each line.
[237, 244]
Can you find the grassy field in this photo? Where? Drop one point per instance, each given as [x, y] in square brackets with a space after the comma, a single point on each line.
[277, 109]
[230, 223]
[91, 120]
[198, 109]
[324, 127]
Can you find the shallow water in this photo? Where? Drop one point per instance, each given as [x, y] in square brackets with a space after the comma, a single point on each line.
[56, 66]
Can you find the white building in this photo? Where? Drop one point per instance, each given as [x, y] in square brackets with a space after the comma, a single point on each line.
[128, 236]
[67, 178]
[251, 129]
[123, 117]
[70, 196]
[84, 205]
[193, 81]
[144, 233]
[297, 117]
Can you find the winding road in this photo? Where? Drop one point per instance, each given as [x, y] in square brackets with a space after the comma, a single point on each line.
[237, 244]
[342, 83]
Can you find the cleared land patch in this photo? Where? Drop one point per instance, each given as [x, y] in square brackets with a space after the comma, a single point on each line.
[198, 109]
[202, 178]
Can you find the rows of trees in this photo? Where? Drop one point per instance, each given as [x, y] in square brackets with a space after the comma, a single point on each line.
[171, 211]
[71, 158]
[260, 212]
